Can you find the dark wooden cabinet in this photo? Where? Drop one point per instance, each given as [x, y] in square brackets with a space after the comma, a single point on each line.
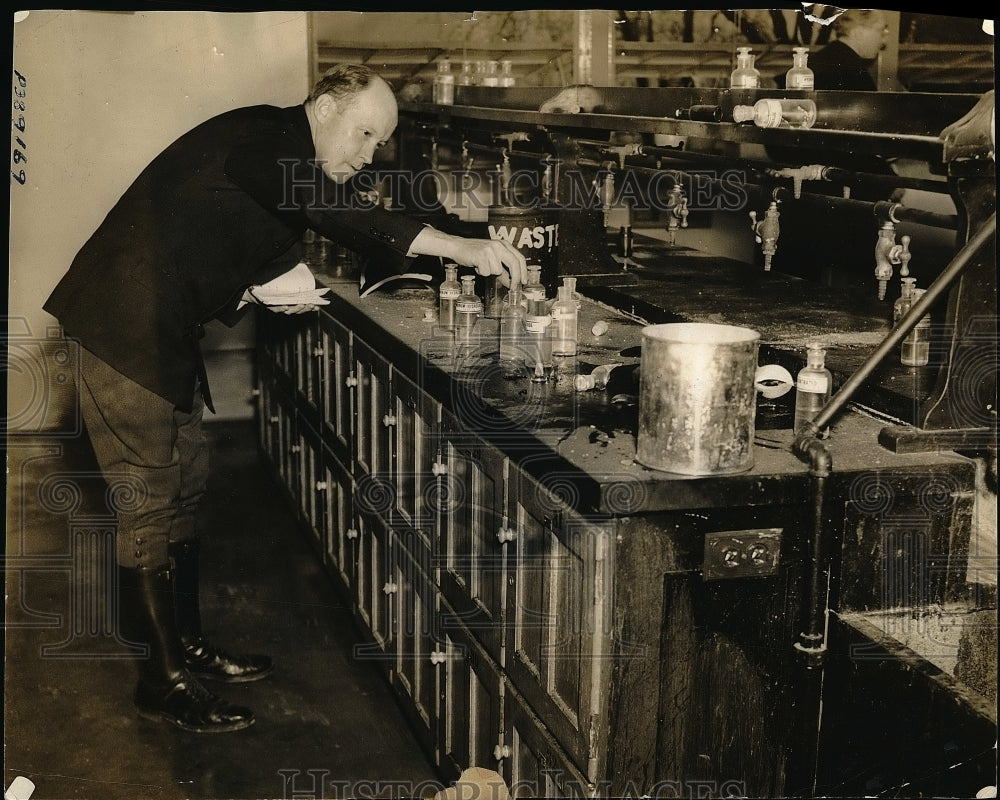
[545, 607]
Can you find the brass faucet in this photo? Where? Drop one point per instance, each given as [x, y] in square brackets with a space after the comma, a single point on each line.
[766, 232]
[677, 212]
[888, 253]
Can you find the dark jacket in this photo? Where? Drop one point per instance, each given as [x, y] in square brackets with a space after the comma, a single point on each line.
[837, 66]
[223, 207]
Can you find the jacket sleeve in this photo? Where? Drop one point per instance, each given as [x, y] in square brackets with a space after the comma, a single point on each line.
[279, 172]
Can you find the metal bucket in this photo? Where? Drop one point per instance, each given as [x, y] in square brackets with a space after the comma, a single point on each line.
[697, 401]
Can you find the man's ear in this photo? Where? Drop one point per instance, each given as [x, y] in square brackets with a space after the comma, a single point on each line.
[324, 107]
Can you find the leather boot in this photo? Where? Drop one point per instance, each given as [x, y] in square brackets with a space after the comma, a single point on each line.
[166, 689]
[202, 658]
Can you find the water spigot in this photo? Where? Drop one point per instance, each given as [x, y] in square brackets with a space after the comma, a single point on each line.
[808, 172]
[677, 212]
[766, 232]
[888, 254]
[629, 149]
[510, 138]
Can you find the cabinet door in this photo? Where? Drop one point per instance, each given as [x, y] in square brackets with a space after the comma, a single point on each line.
[415, 462]
[268, 417]
[371, 401]
[420, 648]
[472, 701]
[559, 616]
[532, 762]
[341, 534]
[312, 484]
[336, 387]
[377, 590]
[472, 547]
[309, 360]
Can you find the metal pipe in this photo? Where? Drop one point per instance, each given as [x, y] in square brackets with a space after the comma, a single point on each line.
[917, 311]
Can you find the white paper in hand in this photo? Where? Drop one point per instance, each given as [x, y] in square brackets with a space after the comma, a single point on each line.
[293, 288]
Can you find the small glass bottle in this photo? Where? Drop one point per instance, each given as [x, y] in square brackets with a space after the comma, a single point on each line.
[799, 76]
[506, 73]
[468, 311]
[448, 293]
[770, 112]
[700, 113]
[746, 75]
[597, 379]
[444, 84]
[565, 314]
[813, 388]
[915, 348]
[491, 77]
[538, 344]
[466, 77]
[533, 289]
[512, 334]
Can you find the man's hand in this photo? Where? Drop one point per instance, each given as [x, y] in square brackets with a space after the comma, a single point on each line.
[488, 256]
[300, 309]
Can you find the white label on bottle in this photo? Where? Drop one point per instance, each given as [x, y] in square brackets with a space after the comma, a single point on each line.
[536, 324]
[468, 307]
[449, 294]
[767, 113]
[801, 82]
[814, 384]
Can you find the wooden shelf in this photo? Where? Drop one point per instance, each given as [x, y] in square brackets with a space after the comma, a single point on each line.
[941, 67]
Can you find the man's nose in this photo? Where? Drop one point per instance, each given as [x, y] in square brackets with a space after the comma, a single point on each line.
[368, 153]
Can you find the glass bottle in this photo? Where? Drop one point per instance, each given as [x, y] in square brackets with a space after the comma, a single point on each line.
[700, 113]
[533, 289]
[468, 311]
[491, 76]
[506, 73]
[444, 84]
[512, 334]
[538, 345]
[597, 379]
[799, 76]
[746, 75]
[466, 77]
[565, 322]
[813, 388]
[770, 112]
[914, 351]
[448, 293]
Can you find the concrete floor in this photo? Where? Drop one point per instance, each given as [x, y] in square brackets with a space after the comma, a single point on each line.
[327, 725]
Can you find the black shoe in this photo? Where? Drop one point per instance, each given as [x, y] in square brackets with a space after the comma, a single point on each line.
[201, 658]
[206, 661]
[191, 707]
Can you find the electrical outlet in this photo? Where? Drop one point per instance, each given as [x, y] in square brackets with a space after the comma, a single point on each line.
[741, 554]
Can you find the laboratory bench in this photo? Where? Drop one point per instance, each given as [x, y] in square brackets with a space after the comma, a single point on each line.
[544, 605]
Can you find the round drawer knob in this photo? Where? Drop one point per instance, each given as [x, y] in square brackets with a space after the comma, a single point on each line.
[505, 535]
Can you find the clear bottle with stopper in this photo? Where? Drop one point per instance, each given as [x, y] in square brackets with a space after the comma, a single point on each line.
[914, 351]
[800, 76]
[533, 289]
[772, 112]
[746, 75]
[444, 84]
[491, 76]
[448, 293]
[512, 333]
[466, 77]
[565, 320]
[506, 73]
[813, 388]
[468, 311]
